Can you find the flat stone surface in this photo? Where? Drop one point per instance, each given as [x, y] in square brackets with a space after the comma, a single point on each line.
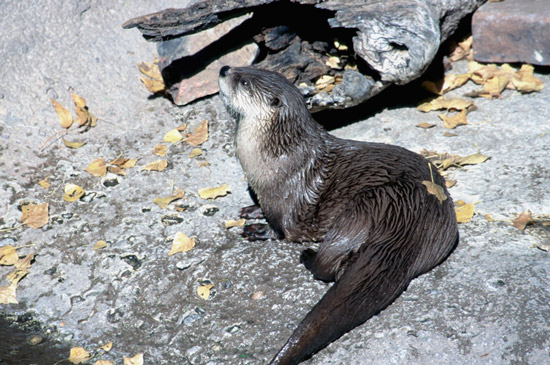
[487, 304]
[512, 31]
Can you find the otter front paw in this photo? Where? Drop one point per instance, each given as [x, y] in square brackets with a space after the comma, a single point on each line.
[251, 212]
[256, 232]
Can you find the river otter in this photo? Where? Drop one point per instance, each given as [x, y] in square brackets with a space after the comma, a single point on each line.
[366, 204]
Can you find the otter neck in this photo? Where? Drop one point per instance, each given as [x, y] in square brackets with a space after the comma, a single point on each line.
[272, 152]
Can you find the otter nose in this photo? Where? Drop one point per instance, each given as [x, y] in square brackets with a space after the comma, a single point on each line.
[223, 70]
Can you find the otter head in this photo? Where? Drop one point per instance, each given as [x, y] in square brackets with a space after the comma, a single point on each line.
[259, 96]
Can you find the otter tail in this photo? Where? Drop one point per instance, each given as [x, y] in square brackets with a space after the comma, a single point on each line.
[366, 287]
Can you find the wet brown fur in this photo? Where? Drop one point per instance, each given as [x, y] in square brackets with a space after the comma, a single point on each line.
[377, 225]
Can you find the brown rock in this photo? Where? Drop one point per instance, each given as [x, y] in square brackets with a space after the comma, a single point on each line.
[512, 31]
[205, 82]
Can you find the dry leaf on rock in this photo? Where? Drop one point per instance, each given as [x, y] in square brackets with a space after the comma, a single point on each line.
[44, 183]
[448, 83]
[200, 134]
[72, 192]
[474, 159]
[35, 215]
[116, 170]
[163, 202]
[464, 212]
[158, 165]
[83, 115]
[160, 150]
[181, 243]
[445, 104]
[15, 276]
[65, 117]
[523, 220]
[8, 255]
[78, 355]
[124, 162]
[173, 136]
[73, 145]
[7, 294]
[107, 347]
[204, 291]
[153, 80]
[104, 362]
[425, 125]
[233, 223]
[213, 193]
[99, 245]
[452, 122]
[97, 168]
[25, 263]
[195, 152]
[136, 360]
[450, 183]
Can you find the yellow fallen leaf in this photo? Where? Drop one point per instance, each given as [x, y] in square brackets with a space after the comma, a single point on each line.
[204, 291]
[97, 168]
[104, 362]
[333, 62]
[107, 347]
[116, 170]
[446, 104]
[474, 159]
[7, 294]
[8, 255]
[35, 215]
[123, 162]
[15, 276]
[436, 190]
[136, 360]
[160, 150]
[523, 220]
[153, 80]
[79, 101]
[74, 145]
[25, 263]
[200, 134]
[65, 117]
[425, 125]
[448, 83]
[165, 201]
[489, 218]
[195, 152]
[213, 193]
[450, 183]
[44, 183]
[464, 213]
[78, 355]
[181, 243]
[173, 136]
[452, 122]
[203, 163]
[158, 165]
[72, 192]
[237, 223]
[524, 81]
[99, 245]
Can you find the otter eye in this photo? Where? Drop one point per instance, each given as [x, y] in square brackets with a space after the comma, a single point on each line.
[276, 102]
[244, 82]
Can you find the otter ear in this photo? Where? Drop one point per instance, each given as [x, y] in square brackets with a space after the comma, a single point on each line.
[276, 102]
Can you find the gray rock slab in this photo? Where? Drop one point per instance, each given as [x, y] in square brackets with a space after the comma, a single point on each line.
[488, 304]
